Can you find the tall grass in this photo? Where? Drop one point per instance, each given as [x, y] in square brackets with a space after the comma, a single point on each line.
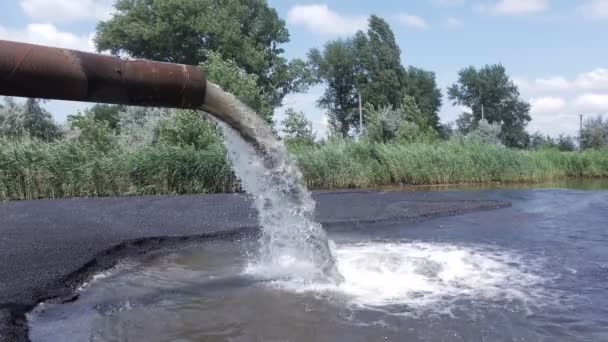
[345, 164]
[32, 170]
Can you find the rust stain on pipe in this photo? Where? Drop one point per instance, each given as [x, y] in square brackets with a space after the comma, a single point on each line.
[29, 70]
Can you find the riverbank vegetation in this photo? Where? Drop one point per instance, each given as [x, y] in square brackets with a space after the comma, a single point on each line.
[112, 150]
[179, 152]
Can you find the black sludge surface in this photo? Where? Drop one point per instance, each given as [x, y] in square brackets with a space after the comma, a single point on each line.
[49, 247]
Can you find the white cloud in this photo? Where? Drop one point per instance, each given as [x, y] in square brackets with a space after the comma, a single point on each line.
[542, 85]
[413, 21]
[557, 101]
[597, 9]
[522, 83]
[48, 34]
[544, 105]
[553, 116]
[453, 23]
[592, 103]
[554, 123]
[320, 19]
[67, 10]
[594, 80]
[514, 7]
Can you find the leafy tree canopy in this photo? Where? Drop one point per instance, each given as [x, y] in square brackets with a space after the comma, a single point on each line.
[370, 64]
[247, 32]
[336, 67]
[93, 131]
[491, 87]
[297, 128]
[422, 86]
[380, 73]
[27, 120]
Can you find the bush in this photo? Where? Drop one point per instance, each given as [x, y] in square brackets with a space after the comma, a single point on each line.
[188, 128]
[595, 133]
[92, 132]
[486, 133]
[405, 123]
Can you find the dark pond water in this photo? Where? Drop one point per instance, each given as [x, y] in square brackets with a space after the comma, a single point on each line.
[535, 272]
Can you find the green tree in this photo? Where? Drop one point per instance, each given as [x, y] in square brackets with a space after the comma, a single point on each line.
[107, 113]
[381, 124]
[562, 142]
[187, 128]
[297, 128]
[337, 69]
[247, 32]
[491, 87]
[565, 143]
[380, 74]
[486, 133]
[93, 132]
[11, 120]
[38, 122]
[370, 64]
[27, 119]
[594, 133]
[538, 140]
[422, 86]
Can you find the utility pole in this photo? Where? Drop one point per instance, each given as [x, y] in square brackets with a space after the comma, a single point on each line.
[580, 133]
[481, 102]
[360, 116]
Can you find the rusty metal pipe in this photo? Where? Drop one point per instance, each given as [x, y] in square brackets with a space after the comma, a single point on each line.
[36, 71]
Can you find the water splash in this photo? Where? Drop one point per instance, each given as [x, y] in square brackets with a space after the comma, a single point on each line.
[429, 276]
[293, 244]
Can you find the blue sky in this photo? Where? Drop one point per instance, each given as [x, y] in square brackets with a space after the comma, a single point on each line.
[552, 48]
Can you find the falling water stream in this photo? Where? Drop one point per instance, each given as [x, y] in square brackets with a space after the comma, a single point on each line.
[293, 243]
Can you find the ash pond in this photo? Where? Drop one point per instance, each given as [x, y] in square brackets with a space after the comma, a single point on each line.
[537, 271]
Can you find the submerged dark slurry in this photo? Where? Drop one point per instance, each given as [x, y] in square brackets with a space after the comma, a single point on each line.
[43, 242]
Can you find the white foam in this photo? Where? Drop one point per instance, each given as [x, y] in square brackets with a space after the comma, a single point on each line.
[422, 275]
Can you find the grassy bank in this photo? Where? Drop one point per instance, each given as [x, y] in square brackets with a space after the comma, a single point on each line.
[30, 169]
[343, 165]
